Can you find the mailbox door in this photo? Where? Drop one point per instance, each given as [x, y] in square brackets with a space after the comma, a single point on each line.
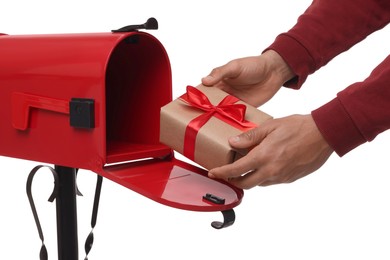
[174, 183]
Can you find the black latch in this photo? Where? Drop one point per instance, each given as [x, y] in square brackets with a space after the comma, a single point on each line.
[151, 24]
[214, 199]
[82, 112]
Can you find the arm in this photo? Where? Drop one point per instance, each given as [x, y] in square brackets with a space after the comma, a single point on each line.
[359, 113]
[326, 29]
[289, 148]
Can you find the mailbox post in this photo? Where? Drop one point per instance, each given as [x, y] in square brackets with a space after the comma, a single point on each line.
[67, 238]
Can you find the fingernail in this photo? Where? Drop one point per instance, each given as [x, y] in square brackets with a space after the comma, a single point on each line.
[234, 139]
[211, 175]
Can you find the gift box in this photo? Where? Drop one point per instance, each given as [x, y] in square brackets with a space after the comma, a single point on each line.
[199, 123]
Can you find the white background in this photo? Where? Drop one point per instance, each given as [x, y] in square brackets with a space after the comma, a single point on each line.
[339, 212]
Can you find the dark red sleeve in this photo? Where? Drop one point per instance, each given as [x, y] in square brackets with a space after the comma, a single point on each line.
[327, 28]
[359, 113]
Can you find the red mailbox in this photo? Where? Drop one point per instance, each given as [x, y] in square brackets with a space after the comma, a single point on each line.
[92, 101]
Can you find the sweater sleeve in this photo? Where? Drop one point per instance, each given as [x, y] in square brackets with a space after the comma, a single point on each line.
[359, 113]
[326, 29]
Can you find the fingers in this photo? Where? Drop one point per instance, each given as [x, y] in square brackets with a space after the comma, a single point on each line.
[238, 175]
[285, 150]
[251, 179]
[233, 170]
[243, 172]
[246, 181]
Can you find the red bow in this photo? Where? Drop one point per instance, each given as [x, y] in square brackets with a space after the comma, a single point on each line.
[227, 111]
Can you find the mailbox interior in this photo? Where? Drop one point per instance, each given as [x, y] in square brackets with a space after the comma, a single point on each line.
[138, 84]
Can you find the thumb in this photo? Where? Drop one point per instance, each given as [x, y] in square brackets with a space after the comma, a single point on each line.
[249, 138]
[211, 79]
[220, 73]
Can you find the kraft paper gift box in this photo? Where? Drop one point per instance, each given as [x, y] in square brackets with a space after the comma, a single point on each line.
[199, 123]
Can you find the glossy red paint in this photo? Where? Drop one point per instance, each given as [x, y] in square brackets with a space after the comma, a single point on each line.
[128, 76]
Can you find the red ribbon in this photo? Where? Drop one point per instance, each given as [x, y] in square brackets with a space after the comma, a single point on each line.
[227, 111]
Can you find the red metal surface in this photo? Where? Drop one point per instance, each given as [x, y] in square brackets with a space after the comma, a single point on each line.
[23, 103]
[128, 76]
[174, 183]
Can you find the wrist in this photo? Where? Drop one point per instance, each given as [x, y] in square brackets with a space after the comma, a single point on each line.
[278, 66]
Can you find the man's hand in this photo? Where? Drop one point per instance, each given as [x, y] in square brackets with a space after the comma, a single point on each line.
[254, 80]
[282, 151]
